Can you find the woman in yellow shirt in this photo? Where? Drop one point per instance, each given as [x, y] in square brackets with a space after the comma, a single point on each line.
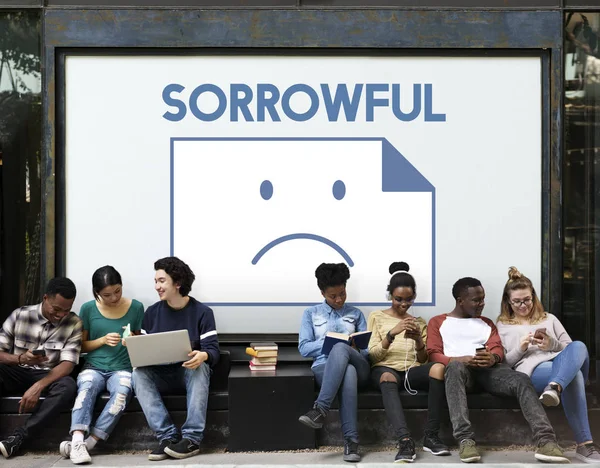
[399, 358]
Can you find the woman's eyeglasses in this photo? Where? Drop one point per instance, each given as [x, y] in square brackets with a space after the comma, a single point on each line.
[518, 303]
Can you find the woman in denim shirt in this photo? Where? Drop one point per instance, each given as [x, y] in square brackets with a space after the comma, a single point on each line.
[344, 369]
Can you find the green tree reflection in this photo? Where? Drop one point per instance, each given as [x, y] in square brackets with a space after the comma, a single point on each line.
[20, 159]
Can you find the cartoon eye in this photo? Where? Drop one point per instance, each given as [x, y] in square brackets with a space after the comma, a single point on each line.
[266, 189]
[339, 189]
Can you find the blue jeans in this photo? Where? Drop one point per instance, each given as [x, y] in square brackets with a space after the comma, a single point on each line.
[569, 369]
[90, 383]
[343, 372]
[149, 382]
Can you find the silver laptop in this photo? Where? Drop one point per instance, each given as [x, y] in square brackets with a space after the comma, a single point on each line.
[159, 348]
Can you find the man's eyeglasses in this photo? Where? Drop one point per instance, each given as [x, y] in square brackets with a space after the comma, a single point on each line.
[518, 303]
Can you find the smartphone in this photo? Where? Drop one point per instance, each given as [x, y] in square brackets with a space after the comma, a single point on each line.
[540, 333]
[39, 352]
[481, 348]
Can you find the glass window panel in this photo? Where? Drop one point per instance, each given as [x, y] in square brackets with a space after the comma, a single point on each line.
[20, 153]
[581, 186]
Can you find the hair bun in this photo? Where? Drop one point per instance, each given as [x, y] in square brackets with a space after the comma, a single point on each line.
[514, 274]
[398, 266]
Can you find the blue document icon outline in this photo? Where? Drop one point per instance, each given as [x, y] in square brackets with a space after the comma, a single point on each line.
[398, 175]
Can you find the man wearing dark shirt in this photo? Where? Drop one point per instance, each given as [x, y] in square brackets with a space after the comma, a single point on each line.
[176, 310]
[39, 347]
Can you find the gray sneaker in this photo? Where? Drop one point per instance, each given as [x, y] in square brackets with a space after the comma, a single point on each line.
[588, 453]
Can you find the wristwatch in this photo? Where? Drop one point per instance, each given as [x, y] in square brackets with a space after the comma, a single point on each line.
[389, 337]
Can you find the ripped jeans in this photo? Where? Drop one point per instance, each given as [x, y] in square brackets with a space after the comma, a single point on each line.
[90, 383]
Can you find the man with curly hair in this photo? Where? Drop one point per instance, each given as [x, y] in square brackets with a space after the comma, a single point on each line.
[177, 310]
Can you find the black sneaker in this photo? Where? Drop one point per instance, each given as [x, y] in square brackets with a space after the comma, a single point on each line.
[407, 453]
[184, 449]
[433, 444]
[351, 451]
[11, 445]
[313, 419]
[159, 453]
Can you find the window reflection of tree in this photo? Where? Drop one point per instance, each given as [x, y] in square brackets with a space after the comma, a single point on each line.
[20, 149]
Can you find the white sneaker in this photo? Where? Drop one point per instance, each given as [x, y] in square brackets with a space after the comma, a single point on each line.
[550, 395]
[65, 448]
[79, 454]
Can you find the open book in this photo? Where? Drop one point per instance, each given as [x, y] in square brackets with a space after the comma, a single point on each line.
[360, 339]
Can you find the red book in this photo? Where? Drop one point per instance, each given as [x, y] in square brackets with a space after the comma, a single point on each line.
[261, 368]
[265, 361]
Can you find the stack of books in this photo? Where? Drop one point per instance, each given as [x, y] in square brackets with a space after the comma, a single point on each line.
[264, 356]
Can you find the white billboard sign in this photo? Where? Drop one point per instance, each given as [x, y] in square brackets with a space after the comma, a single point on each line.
[255, 169]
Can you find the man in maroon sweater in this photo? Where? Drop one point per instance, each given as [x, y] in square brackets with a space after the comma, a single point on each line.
[470, 348]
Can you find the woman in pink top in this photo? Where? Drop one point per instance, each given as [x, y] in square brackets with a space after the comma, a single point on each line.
[537, 344]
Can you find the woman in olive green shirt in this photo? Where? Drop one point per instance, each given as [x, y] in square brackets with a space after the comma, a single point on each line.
[399, 359]
[107, 365]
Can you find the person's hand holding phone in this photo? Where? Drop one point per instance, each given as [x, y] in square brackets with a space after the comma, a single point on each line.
[412, 334]
[404, 324]
[540, 339]
[29, 358]
[544, 341]
[483, 358]
[412, 330]
[546, 344]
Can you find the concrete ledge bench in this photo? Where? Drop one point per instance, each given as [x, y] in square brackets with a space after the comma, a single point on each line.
[497, 421]
[132, 432]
